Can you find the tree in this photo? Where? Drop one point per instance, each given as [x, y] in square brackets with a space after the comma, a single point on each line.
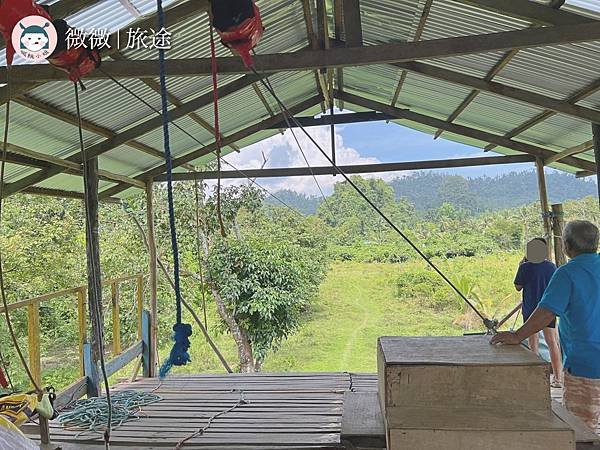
[347, 210]
[260, 278]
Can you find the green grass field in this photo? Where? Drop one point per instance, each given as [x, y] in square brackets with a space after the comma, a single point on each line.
[357, 303]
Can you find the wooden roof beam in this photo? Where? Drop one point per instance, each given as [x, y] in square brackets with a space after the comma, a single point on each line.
[338, 119]
[312, 43]
[530, 11]
[132, 133]
[464, 131]
[237, 136]
[416, 38]
[501, 64]
[155, 86]
[587, 91]
[173, 15]
[34, 190]
[71, 167]
[353, 169]
[336, 57]
[589, 145]
[542, 101]
[52, 111]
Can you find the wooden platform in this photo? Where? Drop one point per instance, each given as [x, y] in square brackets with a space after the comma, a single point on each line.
[284, 411]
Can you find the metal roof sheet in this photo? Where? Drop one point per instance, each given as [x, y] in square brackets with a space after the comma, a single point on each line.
[555, 71]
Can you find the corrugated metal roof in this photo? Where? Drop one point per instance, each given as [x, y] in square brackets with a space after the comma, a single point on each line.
[554, 71]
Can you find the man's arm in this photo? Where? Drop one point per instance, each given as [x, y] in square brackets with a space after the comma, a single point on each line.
[518, 287]
[539, 320]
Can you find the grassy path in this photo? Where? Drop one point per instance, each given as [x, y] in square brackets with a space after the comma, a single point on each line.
[356, 305]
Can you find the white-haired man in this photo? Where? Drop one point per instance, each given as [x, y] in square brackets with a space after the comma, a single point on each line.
[573, 294]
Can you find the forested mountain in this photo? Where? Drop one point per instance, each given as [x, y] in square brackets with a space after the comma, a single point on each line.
[428, 191]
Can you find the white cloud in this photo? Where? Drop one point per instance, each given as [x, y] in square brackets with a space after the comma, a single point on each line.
[282, 151]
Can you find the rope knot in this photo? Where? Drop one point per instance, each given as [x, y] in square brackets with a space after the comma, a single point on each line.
[179, 355]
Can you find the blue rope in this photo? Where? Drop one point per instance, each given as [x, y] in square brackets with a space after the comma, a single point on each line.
[179, 355]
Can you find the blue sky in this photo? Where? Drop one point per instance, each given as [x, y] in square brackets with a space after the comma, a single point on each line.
[364, 143]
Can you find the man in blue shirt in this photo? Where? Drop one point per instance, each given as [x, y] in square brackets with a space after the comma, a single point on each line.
[532, 278]
[573, 295]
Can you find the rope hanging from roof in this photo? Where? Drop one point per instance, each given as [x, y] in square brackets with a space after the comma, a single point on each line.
[179, 355]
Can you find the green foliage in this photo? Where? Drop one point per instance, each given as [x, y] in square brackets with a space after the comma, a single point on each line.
[429, 190]
[266, 287]
[355, 220]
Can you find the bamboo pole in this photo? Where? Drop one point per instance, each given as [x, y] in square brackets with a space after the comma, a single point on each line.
[558, 220]
[596, 140]
[153, 278]
[541, 176]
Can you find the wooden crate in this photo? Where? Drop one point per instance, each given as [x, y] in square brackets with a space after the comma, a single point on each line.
[461, 393]
[481, 429]
[462, 371]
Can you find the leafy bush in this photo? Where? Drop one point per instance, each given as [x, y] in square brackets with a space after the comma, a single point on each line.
[267, 287]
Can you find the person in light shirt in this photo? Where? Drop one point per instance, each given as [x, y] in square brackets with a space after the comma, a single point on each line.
[573, 295]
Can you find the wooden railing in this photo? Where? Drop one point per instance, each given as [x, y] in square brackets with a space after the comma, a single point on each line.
[121, 358]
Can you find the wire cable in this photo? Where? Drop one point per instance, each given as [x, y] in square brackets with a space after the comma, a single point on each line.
[490, 325]
[97, 316]
[187, 133]
[2, 286]
[287, 121]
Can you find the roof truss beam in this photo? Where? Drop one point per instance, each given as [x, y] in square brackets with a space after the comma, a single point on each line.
[464, 131]
[353, 169]
[227, 140]
[335, 57]
[338, 119]
[530, 11]
[72, 168]
[132, 133]
[117, 40]
[589, 145]
[503, 90]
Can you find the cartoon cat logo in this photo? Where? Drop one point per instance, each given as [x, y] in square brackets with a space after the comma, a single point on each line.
[34, 38]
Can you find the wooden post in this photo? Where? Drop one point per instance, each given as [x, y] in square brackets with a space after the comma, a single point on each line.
[116, 323]
[558, 221]
[81, 319]
[596, 139]
[139, 296]
[153, 357]
[33, 333]
[91, 371]
[539, 162]
[147, 343]
[94, 275]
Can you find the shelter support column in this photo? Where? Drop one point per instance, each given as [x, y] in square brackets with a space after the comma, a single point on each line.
[94, 274]
[596, 140]
[153, 288]
[557, 230]
[541, 176]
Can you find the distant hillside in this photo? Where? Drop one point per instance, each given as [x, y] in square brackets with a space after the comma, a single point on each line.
[305, 204]
[429, 191]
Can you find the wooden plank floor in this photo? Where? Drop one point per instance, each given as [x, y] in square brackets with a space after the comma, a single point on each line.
[283, 411]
